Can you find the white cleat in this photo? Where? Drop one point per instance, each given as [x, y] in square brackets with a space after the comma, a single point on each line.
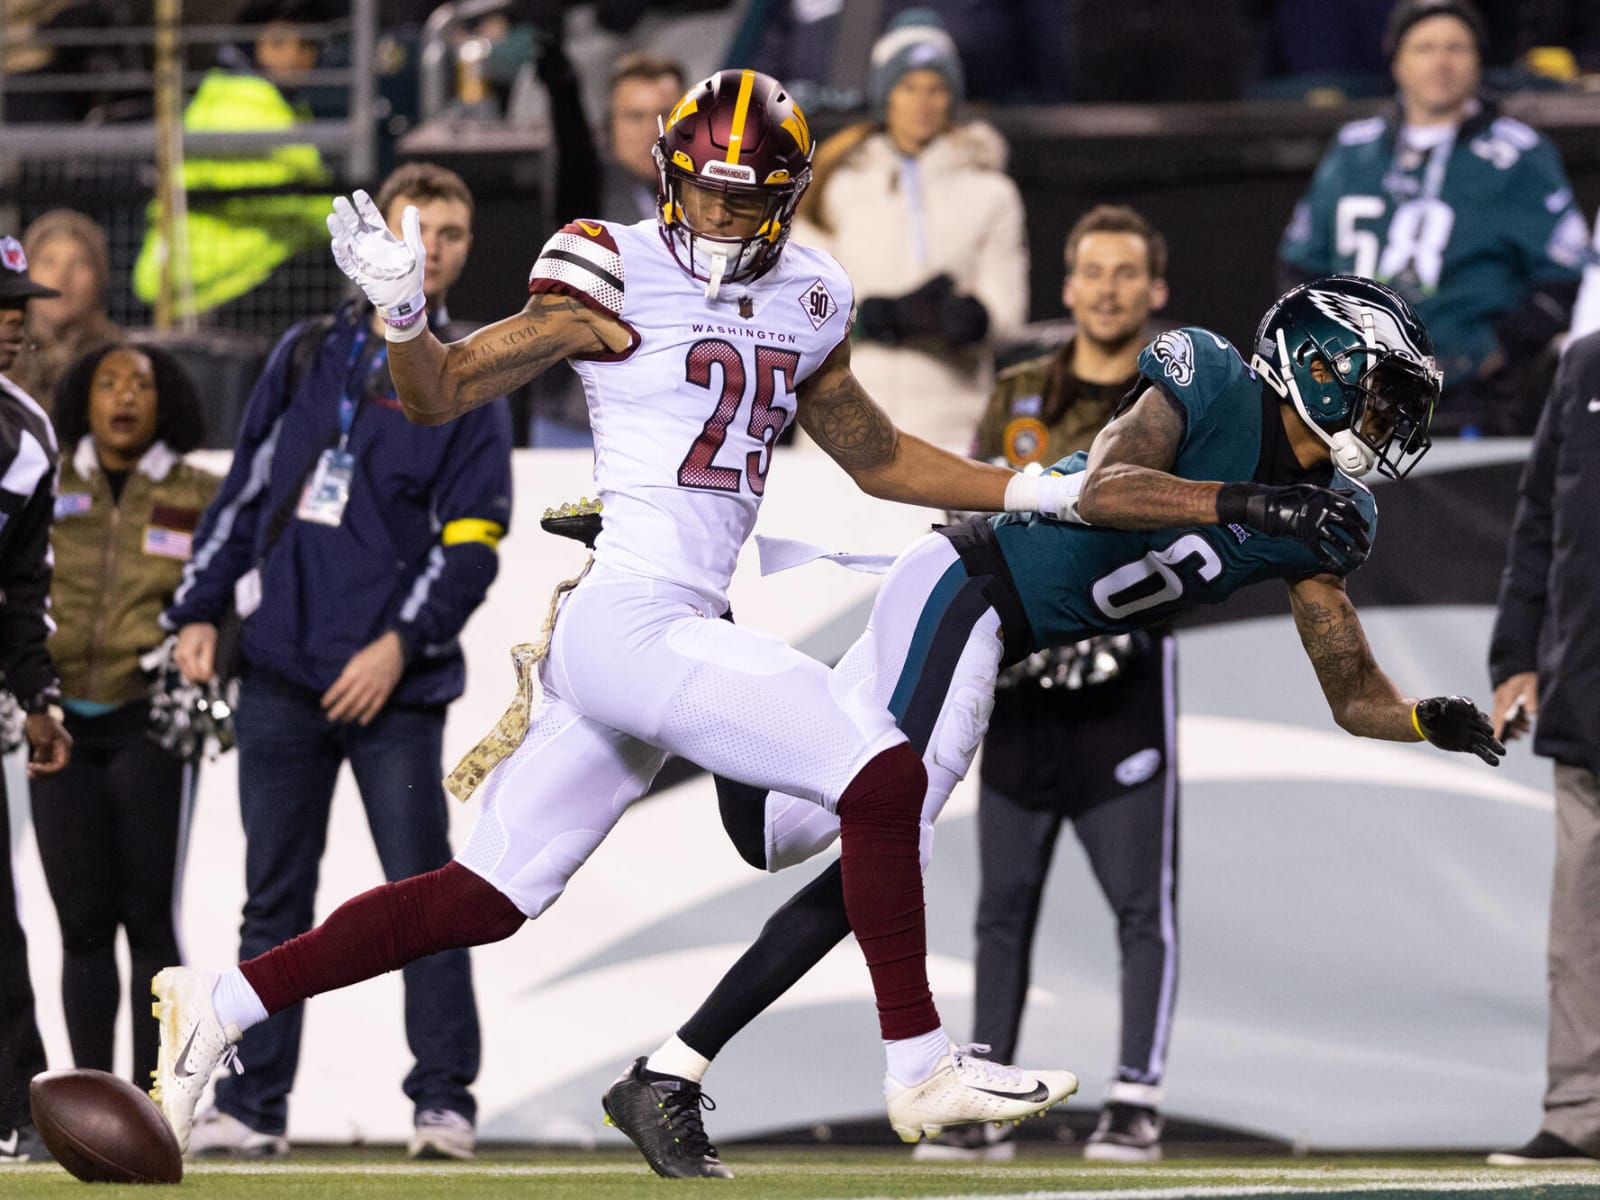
[964, 1089]
[193, 1044]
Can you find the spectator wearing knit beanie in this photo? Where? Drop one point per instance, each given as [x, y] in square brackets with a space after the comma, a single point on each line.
[916, 206]
[67, 251]
[915, 41]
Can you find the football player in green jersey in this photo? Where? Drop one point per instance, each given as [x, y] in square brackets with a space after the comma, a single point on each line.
[1464, 211]
[1215, 474]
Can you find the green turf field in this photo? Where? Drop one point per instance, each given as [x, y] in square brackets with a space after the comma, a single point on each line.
[833, 1174]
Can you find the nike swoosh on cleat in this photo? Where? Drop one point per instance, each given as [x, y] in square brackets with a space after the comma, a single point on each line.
[1040, 1092]
[181, 1068]
[9, 1145]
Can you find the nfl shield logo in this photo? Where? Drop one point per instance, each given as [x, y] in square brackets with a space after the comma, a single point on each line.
[11, 254]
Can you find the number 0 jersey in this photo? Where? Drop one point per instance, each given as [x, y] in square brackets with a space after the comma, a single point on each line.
[1075, 581]
[684, 420]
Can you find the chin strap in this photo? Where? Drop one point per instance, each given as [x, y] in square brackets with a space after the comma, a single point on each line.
[719, 267]
[1351, 455]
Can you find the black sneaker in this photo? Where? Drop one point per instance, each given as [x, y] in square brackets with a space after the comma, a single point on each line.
[23, 1144]
[1545, 1150]
[661, 1115]
[982, 1142]
[1129, 1133]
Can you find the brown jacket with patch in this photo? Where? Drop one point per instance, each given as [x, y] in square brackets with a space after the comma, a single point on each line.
[1039, 411]
[117, 565]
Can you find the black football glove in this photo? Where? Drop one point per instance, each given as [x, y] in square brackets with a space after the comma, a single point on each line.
[1326, 521]
[1454, 723]
[935, 310]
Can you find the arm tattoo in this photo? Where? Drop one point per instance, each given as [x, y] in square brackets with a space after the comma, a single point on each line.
[1362, 698]
[843, 420]
[506, 355]
[1146, 435]
[1336, 647]
[1129, 482]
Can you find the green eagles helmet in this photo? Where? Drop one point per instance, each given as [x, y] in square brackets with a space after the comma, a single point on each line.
[1358, 366]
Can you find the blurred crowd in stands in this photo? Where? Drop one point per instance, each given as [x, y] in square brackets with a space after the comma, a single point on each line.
[1014, 51]
[597, 76]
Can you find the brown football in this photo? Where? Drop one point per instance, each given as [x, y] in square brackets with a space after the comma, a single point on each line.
[103, 1129]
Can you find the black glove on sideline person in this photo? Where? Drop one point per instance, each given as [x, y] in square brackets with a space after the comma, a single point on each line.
[1454, 723]
[1325, 520]
[934, 310]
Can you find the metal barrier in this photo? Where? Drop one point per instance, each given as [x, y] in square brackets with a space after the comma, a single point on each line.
[350, 138]
[103, 165]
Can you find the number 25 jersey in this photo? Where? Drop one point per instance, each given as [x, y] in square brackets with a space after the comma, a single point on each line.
[685, 418]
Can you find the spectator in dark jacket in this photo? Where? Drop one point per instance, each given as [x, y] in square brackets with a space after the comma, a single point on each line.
[1542, 660]
[357, 544]
[28, 462]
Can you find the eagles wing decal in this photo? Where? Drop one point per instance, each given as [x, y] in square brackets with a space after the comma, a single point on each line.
[1352, 314]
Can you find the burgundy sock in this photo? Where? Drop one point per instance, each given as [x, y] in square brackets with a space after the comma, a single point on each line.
[878, 840]
[383, 930]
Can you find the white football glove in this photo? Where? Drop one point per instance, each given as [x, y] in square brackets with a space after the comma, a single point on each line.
[388, 269]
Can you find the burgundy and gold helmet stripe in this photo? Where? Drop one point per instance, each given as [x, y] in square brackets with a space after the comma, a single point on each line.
[799, 130]
[741, 114]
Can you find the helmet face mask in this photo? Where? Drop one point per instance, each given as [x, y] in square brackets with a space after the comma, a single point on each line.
[1358, 366]
[1393, 412]
[732, 161]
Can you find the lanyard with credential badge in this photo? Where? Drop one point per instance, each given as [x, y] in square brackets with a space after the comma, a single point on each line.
[327, 492]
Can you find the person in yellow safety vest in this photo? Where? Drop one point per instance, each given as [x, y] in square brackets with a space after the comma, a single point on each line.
[236, 243]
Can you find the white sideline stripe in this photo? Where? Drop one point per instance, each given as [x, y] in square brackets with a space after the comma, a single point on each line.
[1223, 1193]
[1269, 1180]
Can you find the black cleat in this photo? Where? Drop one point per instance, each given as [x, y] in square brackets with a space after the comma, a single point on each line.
[661, 1115]
[578, 520]
[23, 1144]
[1127, 1133]
[1544, 1150]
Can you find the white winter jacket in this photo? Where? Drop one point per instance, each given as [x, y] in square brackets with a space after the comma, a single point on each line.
[896, 223]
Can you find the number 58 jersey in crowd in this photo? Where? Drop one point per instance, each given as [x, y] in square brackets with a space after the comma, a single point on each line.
[684, 420]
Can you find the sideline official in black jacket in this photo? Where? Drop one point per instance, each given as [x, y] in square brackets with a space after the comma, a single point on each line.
[1549, 610]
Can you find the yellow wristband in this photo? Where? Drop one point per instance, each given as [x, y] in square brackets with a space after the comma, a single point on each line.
[1416, 724]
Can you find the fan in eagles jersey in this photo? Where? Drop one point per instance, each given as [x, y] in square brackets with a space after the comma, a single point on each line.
[698, 335]
[1213, 475]
[1465, 212]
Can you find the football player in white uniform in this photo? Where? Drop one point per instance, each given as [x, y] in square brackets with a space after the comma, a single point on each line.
[698, 337]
